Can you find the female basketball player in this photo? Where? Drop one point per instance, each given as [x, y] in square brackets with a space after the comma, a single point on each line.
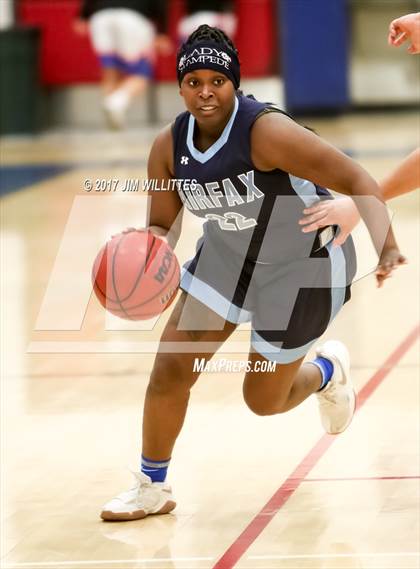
[252, 165]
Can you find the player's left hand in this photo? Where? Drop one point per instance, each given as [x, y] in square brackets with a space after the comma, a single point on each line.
[340, 211]
[389, 261]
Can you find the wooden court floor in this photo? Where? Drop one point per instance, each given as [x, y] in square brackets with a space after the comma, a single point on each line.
[252, 492]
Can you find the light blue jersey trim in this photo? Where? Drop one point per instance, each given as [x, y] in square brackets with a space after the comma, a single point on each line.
[338, 279]
[213, 299]
[305, 190]
[276, 354]
[221, 141]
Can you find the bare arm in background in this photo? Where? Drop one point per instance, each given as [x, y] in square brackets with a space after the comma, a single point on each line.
[405, 178]
[343, 211]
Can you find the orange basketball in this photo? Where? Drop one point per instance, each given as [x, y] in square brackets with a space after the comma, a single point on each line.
[136, 275]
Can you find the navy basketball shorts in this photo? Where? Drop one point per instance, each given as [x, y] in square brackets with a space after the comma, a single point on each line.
[289, 305]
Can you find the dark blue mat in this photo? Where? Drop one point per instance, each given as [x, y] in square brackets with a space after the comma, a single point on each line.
[17, 177]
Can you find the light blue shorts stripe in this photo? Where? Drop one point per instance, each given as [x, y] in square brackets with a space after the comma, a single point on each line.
[213, 299]
[338, 279]
[338, 291]
[276, 354]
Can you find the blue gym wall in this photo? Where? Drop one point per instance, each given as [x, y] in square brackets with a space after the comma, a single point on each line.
[314, 51]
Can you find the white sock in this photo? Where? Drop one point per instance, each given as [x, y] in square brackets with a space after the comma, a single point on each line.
[117, 101]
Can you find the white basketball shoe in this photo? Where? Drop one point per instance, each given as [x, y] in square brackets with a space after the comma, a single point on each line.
[115, 108]
[337, 401]
[145, 498]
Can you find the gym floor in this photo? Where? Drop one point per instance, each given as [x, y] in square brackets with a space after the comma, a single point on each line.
[252, 492]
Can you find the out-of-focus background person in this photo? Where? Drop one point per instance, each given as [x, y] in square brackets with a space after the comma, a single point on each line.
[124, 37]
[216, 13]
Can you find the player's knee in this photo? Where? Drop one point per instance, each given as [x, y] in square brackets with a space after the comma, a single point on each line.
[259, 409]
[263, 406]
[171, 372]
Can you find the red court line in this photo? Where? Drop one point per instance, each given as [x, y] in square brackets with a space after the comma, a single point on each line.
[387, 366]
[263, 518]
[356, 478]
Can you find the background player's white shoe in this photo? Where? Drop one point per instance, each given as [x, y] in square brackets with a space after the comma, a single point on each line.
[145, 498]
[115, 108]
[337, 401]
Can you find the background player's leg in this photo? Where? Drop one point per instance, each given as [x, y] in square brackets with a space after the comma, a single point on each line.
[111, 79]
[134, 85]
[173, 376]
[271, 392]
[118, 101]
[133, 46]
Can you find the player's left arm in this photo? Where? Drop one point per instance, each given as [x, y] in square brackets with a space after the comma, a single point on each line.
[342, 212]
[278, 142]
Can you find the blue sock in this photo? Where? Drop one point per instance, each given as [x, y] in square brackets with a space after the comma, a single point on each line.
[326, 368]
[156, 469]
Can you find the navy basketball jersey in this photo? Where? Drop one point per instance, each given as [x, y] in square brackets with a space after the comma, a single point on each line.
[248, 211]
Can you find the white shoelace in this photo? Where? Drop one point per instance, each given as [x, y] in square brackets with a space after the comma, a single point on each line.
[328, 397]
[141, 481]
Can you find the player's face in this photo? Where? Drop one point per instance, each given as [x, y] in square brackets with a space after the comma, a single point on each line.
[208, 95]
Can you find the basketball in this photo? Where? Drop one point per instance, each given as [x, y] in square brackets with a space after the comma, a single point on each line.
[136, 275]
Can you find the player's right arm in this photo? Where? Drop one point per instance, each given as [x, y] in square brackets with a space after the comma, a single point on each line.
[165, 208]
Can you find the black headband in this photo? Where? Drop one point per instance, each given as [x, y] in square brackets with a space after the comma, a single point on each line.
[209, 54]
